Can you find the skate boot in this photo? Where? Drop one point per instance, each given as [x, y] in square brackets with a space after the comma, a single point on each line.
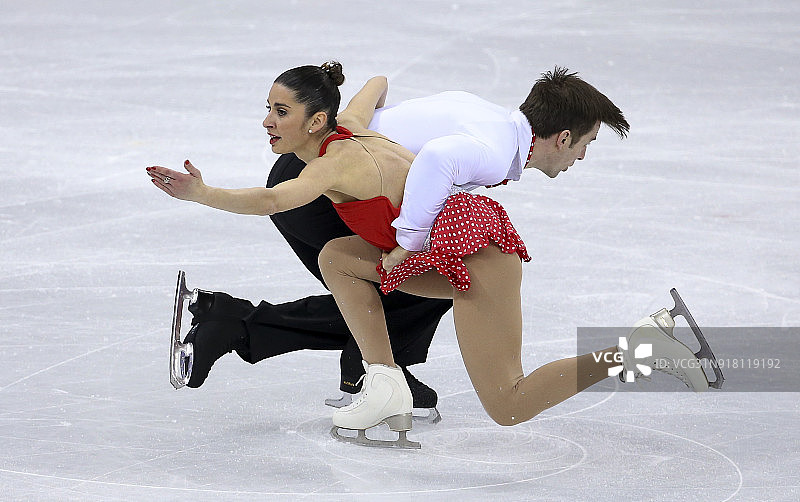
[651, 345]
[385, 398]
[209, 341]
[217, 329]
[424, 398]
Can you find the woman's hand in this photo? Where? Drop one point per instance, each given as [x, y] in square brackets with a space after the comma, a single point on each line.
[394, 258]
[179, 185]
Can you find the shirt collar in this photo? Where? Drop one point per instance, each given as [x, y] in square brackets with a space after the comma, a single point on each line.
[524, 138]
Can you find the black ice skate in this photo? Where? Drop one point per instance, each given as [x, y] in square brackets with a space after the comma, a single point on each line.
[425, 399]
[217, 329]
[182, 355]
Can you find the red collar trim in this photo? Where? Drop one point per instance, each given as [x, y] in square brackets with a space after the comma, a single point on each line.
[530, 153]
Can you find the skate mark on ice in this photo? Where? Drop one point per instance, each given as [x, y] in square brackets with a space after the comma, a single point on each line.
[756, 291]
[137, 464]
[460, 439]
[74, 358]
[430, 55]
[726, 186]
[623, 426]
[93, 226]
[210, 491]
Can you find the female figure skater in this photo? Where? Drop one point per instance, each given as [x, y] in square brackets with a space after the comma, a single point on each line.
[474, 254]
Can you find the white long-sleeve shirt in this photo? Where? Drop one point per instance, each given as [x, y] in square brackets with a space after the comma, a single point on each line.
[461, 141]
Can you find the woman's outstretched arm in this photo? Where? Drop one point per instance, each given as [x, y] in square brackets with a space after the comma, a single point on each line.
[315, 180]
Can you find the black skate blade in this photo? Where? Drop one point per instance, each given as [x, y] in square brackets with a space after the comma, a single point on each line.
[361, 439]
[705, 351]
[179, 368]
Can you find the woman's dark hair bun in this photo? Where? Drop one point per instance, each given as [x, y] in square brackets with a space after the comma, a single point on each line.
[334, 71]
[317, 87]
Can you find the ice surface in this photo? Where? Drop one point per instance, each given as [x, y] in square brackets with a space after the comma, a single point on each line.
[703, 196]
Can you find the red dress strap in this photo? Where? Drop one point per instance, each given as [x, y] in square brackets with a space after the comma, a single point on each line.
[341, 133]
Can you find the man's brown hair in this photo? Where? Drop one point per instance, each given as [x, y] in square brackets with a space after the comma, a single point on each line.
[560, 101]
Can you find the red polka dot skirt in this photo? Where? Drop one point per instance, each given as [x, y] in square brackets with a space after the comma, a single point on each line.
[467, 223]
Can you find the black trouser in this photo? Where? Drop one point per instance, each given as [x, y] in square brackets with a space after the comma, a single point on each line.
[315, 322]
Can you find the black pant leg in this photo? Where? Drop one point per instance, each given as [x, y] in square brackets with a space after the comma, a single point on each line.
[312, 323]
[411, 320]
[307, 228]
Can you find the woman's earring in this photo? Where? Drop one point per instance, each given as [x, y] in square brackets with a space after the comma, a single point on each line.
[309, 132]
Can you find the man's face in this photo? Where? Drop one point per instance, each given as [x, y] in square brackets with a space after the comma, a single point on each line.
[562, 150]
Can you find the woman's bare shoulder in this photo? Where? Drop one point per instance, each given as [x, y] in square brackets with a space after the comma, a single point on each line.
[350, 124]
[360, 131]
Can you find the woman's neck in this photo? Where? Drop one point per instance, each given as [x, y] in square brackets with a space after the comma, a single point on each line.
[310, 150]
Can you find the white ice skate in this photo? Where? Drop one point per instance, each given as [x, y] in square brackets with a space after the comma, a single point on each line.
[385, 398]
[181, 355]
[651, 345]
[430, 416]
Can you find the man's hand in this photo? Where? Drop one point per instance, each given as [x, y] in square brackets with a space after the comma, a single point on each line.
[395, 257]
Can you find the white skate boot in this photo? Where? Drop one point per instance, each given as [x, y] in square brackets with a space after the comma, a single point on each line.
[651, 345]
[385, 398]
[424, 400]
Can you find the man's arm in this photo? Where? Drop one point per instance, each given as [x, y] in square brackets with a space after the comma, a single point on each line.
[414, 122]
[442, 164]
[361, 108]
[459, 139]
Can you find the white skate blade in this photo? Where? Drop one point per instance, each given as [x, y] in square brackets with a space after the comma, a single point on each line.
[432, 417]
[180, 355]
[705, 352]
[361, 439]
[343, 401]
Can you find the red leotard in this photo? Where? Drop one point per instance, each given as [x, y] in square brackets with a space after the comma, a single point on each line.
[466, 224]
[371, 218]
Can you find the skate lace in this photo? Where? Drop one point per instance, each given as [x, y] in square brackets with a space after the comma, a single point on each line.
[361, 395]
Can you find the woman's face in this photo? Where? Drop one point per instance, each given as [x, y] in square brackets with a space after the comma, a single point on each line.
[285, 121]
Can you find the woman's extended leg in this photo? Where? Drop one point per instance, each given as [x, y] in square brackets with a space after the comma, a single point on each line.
[488, 319]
